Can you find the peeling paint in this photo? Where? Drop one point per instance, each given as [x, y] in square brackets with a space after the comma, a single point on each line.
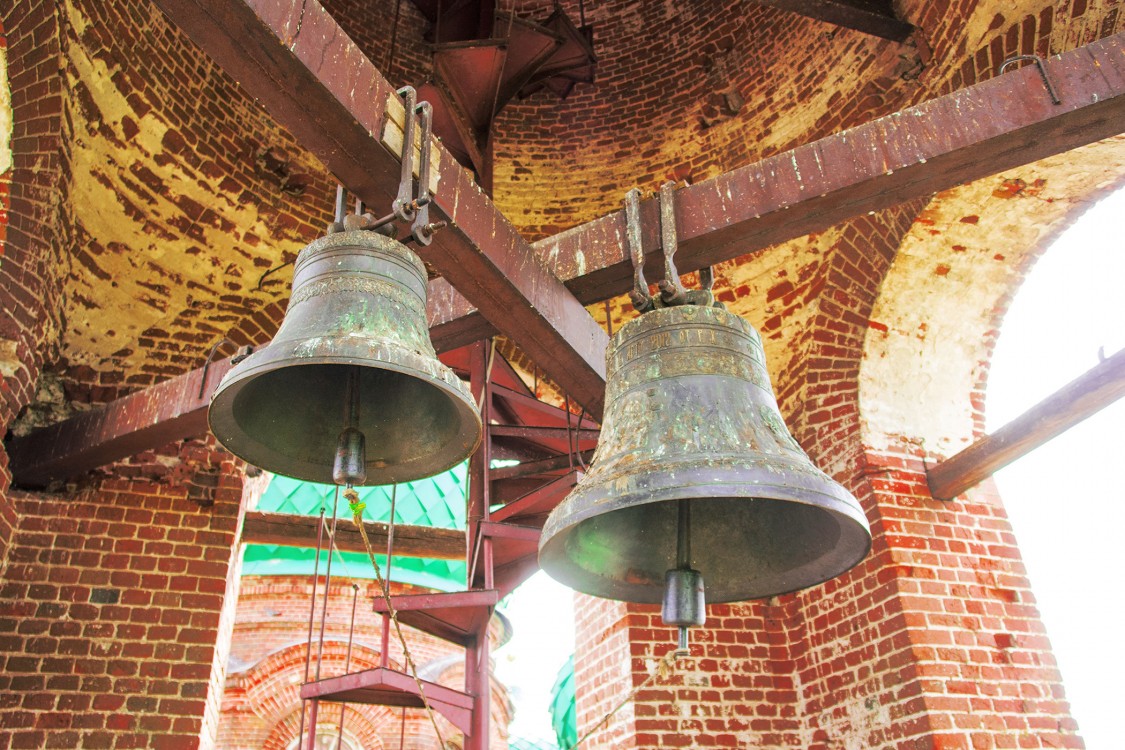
[5, 114]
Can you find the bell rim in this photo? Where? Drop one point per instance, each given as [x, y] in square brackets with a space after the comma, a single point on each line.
[554, 534]
[455, 390]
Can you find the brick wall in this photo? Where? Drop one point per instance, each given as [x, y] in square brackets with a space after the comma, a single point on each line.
[110, 614]
[268, 657]
[34, 192]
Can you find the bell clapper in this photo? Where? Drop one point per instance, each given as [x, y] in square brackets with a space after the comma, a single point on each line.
[684, 602]
[350, 465]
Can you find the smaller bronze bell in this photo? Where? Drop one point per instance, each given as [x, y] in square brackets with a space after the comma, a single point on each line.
[696, 478]
[350, 389]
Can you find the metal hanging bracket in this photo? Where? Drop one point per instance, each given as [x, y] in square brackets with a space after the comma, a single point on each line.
[422, 231]
[403, 207]
[408, 205]
[672, 291]
[639, 295]
[1042, 72]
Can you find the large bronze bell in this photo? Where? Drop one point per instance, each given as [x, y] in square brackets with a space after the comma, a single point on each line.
[696, 478]
[350, 389]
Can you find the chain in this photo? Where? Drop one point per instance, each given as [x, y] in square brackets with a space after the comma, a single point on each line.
[357, 508]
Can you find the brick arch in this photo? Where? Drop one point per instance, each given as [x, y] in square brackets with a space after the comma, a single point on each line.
[272, 686]
[364, 726]
[935, 324]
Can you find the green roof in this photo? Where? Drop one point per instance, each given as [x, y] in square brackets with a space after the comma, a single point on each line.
[437, 501]
[564, 717]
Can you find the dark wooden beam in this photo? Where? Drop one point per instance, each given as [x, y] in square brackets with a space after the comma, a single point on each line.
[875, 17]
[1005, 122]
[291, 530]
[293, 57]
[173, 410]
[1068, 406]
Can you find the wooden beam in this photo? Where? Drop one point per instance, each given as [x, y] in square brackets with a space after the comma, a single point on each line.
[291, 530]
[293, 57]
[1005, 122]
[1076, 401]
[875, 17]
[175, 409]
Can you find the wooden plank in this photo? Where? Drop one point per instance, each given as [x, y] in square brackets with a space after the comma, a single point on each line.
[292, 530]
[1079, 399]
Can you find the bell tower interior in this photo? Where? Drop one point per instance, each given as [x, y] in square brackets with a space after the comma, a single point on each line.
[387, 246]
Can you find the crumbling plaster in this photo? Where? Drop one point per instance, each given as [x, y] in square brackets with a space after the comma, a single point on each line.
[940, 307]
[5, 114]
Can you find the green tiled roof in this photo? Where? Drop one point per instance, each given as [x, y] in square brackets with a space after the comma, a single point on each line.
[563, 709]
[438, 501]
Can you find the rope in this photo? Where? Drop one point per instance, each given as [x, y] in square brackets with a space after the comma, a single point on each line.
[357, 507]
[665, 667]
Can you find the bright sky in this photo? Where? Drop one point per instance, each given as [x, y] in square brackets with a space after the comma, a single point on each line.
[1066, 500]
[542, 614]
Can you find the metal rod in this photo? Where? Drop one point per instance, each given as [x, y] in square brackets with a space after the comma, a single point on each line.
[327, 581]
[1042, 72]
[401, 204]
[421, 230]
[639, 295]
[341, 203]
[312, 614]
[683, 535]
[391, 530]
[672, 290]
[311, 744]
[385, 636]
[347, 666]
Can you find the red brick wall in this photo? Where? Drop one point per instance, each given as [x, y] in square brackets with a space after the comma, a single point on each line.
[34, 191]
[7, 513]
[110, 614]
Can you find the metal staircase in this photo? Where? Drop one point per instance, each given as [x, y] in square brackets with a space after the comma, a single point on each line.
[506, 510]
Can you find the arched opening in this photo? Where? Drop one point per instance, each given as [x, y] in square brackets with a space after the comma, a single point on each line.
[1065, 500]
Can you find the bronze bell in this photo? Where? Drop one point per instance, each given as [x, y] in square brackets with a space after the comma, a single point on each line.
[696, 478]
[350, 389]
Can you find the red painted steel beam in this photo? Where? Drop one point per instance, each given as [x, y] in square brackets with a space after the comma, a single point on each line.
[1083, 397]
[1005, 122]
[875, 17]
[294, 58]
